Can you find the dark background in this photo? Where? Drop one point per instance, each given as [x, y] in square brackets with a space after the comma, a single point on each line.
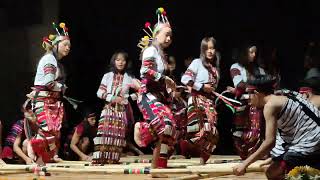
[98, 28]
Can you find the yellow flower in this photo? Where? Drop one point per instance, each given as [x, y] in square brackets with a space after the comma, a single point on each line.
[294, 172]
[307, 170]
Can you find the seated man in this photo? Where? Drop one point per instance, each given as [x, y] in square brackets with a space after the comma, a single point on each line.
[292, 130]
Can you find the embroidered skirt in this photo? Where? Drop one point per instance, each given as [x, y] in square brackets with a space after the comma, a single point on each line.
[110, 139]
[202, 120]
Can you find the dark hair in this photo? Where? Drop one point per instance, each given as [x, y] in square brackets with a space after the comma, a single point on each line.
[268, 61]
[264, 84]
[243, 59]
[113, 59]
[313, 83]
[88, 112]
[204, 47]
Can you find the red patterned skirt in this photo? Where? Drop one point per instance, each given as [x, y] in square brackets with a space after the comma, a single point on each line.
[111, 135]
[202, 120]
[49, 111]
[247, 133]
[159, 123]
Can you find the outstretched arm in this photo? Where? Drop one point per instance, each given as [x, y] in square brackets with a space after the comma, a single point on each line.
[271, 109]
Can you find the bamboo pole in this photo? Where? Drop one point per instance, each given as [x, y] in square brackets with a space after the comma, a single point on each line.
[75, 162]
[210, 169]
[192, 177]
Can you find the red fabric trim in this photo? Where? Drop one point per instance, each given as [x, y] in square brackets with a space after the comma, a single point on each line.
[7, 153]
[305, 90]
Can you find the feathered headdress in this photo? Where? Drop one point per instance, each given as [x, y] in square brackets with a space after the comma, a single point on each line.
[150, 33]
[61, 34]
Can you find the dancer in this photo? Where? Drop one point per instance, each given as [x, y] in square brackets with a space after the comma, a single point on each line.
[112, 128]
[47, 93]
[202, 77]
[247, 121]
[159, 125]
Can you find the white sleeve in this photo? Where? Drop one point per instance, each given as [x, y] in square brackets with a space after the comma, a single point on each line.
[149, 63]
[190, 75]
[102, 92]
[235, 72]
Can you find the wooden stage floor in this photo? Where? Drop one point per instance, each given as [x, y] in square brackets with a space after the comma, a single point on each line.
[218, 167]
[72, 176]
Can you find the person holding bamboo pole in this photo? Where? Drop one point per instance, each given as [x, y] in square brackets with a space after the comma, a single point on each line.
[292, 133]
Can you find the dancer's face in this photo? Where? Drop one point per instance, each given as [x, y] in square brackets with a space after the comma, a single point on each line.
[164, 37]
[64, 48]
[120, 62]
[252, 53]
[211, 51]
[92, 120]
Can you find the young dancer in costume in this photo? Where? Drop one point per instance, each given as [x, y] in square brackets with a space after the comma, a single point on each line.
[292, 130]
[112, 128]
[202, 78]
[159, 125]
[247, 121]
[46, 96]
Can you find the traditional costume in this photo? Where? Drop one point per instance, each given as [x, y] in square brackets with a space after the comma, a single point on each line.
[154, 100]
[247, 121]
[16, 130]
[112, 127]
[46, 98]
[202, 116]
